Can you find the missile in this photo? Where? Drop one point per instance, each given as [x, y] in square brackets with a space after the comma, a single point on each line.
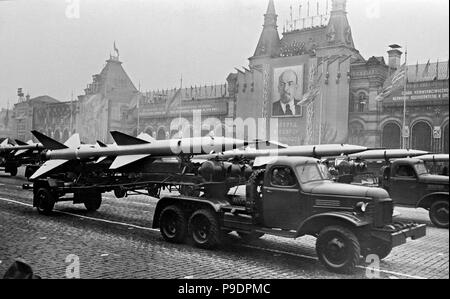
[128, 149]
[434, 158]
[387, 154]
[20, 148]
[263, 157]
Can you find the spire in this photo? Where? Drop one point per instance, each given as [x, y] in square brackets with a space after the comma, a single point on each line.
[339, 31]
[271, 8]
[269, 42]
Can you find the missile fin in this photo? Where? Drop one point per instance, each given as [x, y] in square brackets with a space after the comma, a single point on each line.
[124, 139]
[73, 141]
[4, 142]
[20, 152]
[48, 142]
[146, 137]
[101, 144]
[122, 161]
[100, 159]
[19, 142]
[47, 167]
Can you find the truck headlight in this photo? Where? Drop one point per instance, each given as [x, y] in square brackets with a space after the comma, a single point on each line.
[361, 207]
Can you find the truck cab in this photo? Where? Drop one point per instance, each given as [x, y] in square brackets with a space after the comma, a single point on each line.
[292, 197]
[410, 184]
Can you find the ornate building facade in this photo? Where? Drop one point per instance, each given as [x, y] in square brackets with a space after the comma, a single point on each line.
[308, 86]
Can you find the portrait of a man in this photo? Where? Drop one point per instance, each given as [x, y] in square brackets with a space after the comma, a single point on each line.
[289, 88]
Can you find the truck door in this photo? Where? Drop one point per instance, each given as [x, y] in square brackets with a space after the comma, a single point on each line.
[282, 205]
[403, 186]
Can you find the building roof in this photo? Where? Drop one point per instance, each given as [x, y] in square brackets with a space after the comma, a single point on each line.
[44, 99]
[423, 73]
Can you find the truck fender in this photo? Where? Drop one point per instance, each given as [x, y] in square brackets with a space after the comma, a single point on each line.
[316, 223]
[189, 202]
[426, 201]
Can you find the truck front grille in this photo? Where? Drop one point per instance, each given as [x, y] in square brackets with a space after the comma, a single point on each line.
[383, 213]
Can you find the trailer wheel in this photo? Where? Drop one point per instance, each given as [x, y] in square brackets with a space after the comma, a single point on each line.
[120, 193]
[93, 201]
[13, 171]
[153, 191]
[173, 224]
[439, 213]
[382, 250]
[204, 229]
[338, 249]
[45, 201]
[248, 237]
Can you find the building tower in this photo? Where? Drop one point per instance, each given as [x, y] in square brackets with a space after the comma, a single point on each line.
[269, 41]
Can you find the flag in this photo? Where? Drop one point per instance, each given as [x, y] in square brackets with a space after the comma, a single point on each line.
[426, 70]
[393, 83]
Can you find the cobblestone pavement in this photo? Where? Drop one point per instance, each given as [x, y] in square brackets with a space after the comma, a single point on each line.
[118, 242]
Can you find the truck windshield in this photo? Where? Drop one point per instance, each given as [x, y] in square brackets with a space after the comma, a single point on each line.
[313, 172]
[421, 169]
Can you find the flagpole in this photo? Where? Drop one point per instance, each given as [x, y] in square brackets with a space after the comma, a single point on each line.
[404, 138]
[138, 108]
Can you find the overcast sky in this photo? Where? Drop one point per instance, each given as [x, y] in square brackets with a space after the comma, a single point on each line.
[49, 47]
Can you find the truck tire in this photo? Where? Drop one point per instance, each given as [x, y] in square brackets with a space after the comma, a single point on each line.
[45, 201]
[93, 201]
[204, 229]
[338, 249]
[13, 171]
[120, 193]
[382, 250]
[173, 224]
[248, 237]
[439, 213]
[153, 191]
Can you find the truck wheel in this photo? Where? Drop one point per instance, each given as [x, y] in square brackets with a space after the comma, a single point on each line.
[45, 201]
[204, 229]
[120, 193]
[13, 171]
[338, 249]
[439, 213]
[153, 191]
[173, 224]
[248, 237]
[382, 250]
[93, 201]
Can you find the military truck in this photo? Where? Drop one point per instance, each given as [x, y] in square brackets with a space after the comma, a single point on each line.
[410, 184]
[292, 197]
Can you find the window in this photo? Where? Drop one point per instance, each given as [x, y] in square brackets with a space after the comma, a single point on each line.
[313, 172]
[283, 176]
[405, 171]
[362, 102]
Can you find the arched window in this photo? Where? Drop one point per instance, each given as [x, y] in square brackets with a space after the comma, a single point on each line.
[362, 102]
[421, 137]
[149, 131]
[391, 138]
[57, 135]
[445, 139]
[161, 134]
[65, 135]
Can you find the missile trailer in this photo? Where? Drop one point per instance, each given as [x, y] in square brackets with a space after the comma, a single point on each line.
[290, 198]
